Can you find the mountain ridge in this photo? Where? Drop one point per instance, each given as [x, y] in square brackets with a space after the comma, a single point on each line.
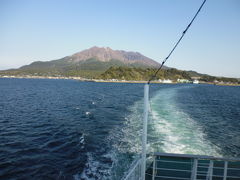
[102, 54]
[87, 63]
[106, 54]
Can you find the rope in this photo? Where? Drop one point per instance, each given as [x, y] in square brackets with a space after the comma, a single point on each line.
[184, 32]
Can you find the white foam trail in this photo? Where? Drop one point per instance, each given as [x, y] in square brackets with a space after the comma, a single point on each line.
[179, 133]
[130, 134]
[126, 141]
[169, 130]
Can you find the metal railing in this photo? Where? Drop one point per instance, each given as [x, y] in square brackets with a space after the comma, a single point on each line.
[134, 172]
[166, 166]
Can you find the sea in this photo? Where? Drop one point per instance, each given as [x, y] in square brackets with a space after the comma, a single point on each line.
[73, 130]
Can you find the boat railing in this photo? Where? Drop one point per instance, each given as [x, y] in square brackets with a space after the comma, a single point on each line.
[167, 166]
[134, 172]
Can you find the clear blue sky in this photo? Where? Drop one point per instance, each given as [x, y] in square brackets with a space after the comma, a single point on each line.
[50, 29]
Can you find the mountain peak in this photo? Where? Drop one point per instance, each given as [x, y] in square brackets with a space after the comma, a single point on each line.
[99, 48]
[106, 54]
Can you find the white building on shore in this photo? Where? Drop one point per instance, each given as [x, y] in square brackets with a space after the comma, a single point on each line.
[167, 81]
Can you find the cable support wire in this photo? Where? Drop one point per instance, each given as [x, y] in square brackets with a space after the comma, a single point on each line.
[175, 46]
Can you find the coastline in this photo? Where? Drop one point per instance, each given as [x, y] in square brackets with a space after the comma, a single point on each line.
[110, 81]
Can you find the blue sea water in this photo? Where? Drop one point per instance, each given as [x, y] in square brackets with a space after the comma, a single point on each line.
[66, 129]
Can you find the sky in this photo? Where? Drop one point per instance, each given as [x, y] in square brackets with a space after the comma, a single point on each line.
[46, 30]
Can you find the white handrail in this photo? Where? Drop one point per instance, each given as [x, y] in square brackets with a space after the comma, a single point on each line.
[162, 167]
[144, 133]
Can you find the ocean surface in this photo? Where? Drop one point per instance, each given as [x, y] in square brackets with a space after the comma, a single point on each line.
[66, 129]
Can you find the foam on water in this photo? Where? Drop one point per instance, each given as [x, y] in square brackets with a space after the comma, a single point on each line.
[169, 129]
[130, 134]
[82, 141]
[96, 169]
[87, 113]
[126, 141]
[97, 166]
[176, 131]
